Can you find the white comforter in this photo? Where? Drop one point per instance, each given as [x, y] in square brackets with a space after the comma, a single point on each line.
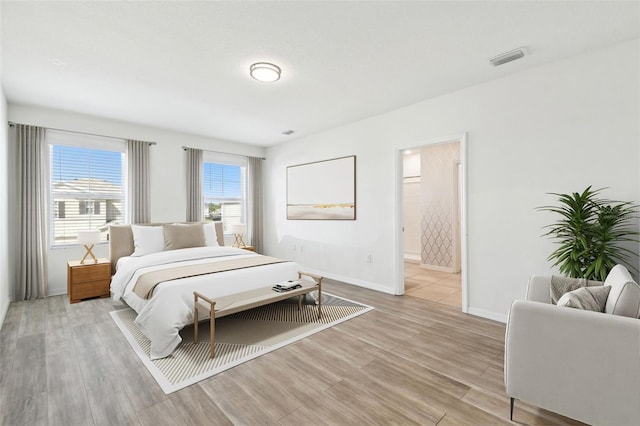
[170, 308]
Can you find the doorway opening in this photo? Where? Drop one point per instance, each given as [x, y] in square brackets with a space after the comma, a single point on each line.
[431, 225]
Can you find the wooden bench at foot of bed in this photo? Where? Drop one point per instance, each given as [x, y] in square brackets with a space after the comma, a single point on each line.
[246, 300]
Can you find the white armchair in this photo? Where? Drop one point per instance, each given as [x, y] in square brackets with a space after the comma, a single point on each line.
[581, 364]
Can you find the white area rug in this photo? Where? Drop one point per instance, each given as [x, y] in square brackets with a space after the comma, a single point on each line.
[239, 338]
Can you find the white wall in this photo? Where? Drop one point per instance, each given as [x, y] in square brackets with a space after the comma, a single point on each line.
[411, 167]
[168, 173]
[411, 219]
[5, 265]
[556, 128]
[411, 205]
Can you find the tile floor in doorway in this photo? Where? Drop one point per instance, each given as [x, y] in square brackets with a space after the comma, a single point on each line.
[440, 287]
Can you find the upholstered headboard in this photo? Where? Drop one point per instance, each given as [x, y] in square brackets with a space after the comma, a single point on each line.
[121, 240]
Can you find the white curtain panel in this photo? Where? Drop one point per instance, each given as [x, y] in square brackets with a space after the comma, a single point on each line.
[32, 212]
[255, 202]
[195, 202]
[139, 185]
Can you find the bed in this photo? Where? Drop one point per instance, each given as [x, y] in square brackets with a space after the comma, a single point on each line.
[168, 306]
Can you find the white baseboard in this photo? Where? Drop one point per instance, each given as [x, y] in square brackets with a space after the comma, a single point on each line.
[3, 314]
[411, 257]
[56, 290]
[353, 281]
[439, 268]
[488, 315]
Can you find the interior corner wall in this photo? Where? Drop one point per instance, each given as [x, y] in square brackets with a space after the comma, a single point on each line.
[168, 169]
[5, 264]
[555, 128]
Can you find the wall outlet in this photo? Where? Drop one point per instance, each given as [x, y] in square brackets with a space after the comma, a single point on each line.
[369, 259]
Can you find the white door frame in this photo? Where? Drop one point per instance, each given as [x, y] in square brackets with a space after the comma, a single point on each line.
[399, 240]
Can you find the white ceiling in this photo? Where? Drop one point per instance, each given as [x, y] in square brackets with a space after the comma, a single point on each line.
[184, 65]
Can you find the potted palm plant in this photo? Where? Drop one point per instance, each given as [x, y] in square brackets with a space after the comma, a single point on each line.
[592, 233]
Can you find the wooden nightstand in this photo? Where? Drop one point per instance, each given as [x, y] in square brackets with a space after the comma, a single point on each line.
[250, 248]
[89, 279]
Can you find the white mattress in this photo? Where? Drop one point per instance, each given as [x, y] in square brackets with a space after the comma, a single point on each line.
[170, 308]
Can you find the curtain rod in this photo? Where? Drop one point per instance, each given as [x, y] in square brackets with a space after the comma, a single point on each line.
[11, 124]
[220, 152]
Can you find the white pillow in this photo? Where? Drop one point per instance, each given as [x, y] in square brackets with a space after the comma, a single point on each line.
[147, 239]
[210, 235]
[624, 298]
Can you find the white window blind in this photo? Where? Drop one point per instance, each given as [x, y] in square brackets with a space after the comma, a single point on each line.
[87, 185]
[224, 189]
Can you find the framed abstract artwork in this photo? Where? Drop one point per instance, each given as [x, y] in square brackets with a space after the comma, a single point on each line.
[322, 190]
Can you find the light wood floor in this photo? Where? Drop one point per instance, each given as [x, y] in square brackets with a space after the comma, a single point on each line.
[409, 361]
[435, 286]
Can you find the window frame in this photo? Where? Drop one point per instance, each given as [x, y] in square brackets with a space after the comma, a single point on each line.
[90, 142]
[229, 160]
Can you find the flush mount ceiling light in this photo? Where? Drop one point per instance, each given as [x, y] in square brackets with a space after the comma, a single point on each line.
[265, 71]
[509, 56]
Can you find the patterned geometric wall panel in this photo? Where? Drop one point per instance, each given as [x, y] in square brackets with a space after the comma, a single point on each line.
[439, 170]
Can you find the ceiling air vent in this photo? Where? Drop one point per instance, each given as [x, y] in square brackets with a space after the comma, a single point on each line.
[509, 56]
[288, 132]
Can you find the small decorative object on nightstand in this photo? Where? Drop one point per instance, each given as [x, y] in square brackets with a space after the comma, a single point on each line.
[89, 239]
[250, 248]
[88, 279]
[238, 229]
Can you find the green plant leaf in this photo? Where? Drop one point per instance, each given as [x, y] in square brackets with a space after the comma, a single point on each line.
[589, 233]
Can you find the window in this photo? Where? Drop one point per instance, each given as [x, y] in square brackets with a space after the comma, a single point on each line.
[89, 207]
[59, 212]
[87, 185]
[83, 207]
[225, 189]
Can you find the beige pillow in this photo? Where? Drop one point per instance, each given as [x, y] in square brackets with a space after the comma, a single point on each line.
[562, 285]
[586, 298]
[178, 236]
